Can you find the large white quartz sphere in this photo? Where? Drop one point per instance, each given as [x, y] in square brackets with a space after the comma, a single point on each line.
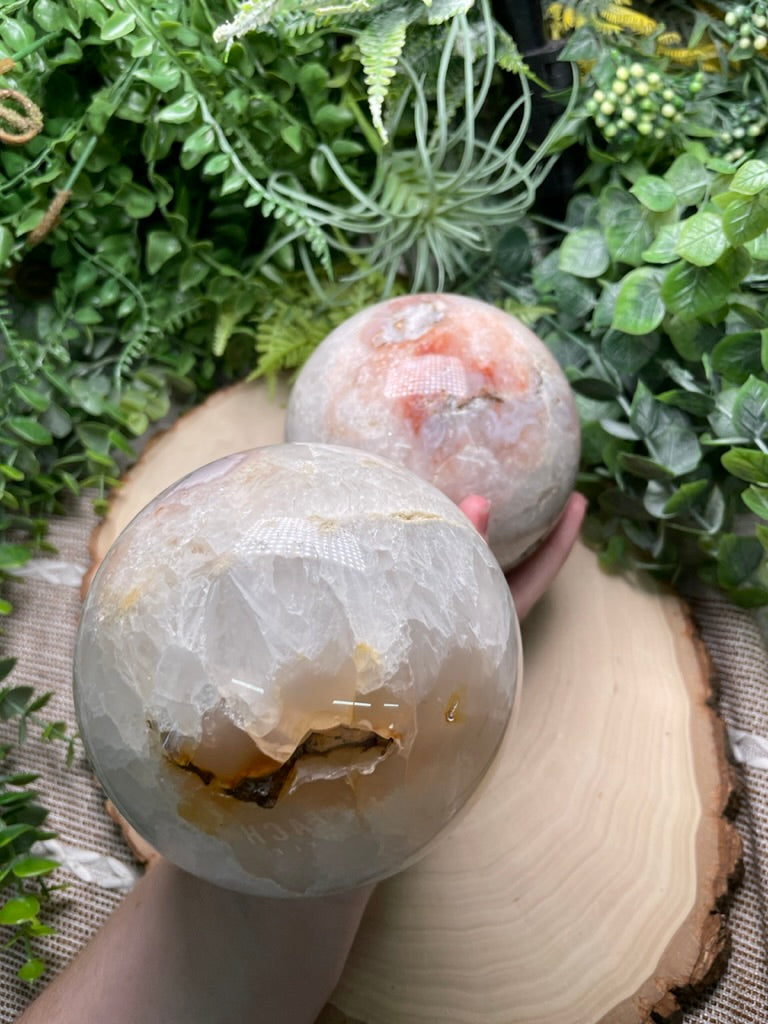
[294, 667]
[460, 392]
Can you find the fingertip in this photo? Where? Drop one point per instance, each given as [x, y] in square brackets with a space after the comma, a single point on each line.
[478, 510]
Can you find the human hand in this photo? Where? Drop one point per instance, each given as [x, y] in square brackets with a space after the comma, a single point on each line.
[530, 579]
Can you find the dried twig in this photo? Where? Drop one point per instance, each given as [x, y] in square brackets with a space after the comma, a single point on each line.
[24, 124]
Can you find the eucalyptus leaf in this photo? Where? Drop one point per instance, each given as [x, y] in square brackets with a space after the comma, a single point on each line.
[639, 305]
[750, 178]
[685, 497]
[626, 226]
[584, 253]
[748, 464]
[654, 193]
[750, 408]
[629, 353]
[738, 355]
[691, 292]
[676, 448]
[689, 179]
[745, 218]
[663, 248]
[756, 500]
[738, 558]
[644, 467]
[702, 239]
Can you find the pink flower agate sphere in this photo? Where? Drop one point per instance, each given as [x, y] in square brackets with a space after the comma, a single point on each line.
[294, 667]
[461, 393]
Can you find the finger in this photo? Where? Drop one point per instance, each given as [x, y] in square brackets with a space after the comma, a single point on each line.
[478, 510]
[529, 580]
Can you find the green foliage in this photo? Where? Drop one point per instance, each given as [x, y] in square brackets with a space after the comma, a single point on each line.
[438, 201]
[660, 318]
[23, 873]
[379, 28]
[653, 81]
[289, 330]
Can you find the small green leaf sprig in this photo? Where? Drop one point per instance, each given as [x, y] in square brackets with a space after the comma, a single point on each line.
[658, 293]
[24, 875]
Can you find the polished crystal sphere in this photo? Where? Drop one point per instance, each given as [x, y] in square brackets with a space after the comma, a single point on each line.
[294, 667]
[461, 393]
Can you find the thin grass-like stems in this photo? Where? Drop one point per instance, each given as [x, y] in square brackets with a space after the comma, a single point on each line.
[440, 143]
[490, 59]
[420, 120]
[471, 108]
[363, 199]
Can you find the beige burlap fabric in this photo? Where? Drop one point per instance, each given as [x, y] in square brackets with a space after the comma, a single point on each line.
[41, 634]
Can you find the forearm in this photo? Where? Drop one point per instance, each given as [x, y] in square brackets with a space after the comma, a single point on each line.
[181, 950]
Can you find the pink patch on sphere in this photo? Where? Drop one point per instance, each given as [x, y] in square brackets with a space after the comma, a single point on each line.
[461, 393]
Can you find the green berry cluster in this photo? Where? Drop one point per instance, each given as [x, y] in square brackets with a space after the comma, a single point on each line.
[741, 125]
[641, 102]
[747, 29]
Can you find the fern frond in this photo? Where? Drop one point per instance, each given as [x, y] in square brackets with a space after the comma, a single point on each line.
[251, 16]
[508, 57]
[292, 327]
[444, 10]
[340, 9]
[298, 23]
[265, 198]
[381, 45]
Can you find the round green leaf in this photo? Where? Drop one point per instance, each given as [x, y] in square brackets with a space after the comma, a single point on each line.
[654, 193]
[55, 17]
[702, 239]
[685, 497]
[738, 355]
[689, 179]
[626, 225]
[32, 969]
[751, 178]
[744, 218]
[13, 555]
[639, 306]
[161, 247]
[690, 291]
[118, 25]
[663, 249]
[19, 909]
[747, 464]
[738, 557]
[34, 867]
[179, 112]
[756, 500]
[584, 253]
[677, 448]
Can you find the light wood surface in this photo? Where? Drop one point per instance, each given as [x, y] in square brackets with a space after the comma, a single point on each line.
[583, 883]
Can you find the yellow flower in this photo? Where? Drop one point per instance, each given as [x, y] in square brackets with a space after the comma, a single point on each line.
[622, 16]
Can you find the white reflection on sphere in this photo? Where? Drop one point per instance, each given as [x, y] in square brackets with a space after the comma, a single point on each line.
[294, 667]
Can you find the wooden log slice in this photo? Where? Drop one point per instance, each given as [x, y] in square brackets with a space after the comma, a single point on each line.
[584, 882]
